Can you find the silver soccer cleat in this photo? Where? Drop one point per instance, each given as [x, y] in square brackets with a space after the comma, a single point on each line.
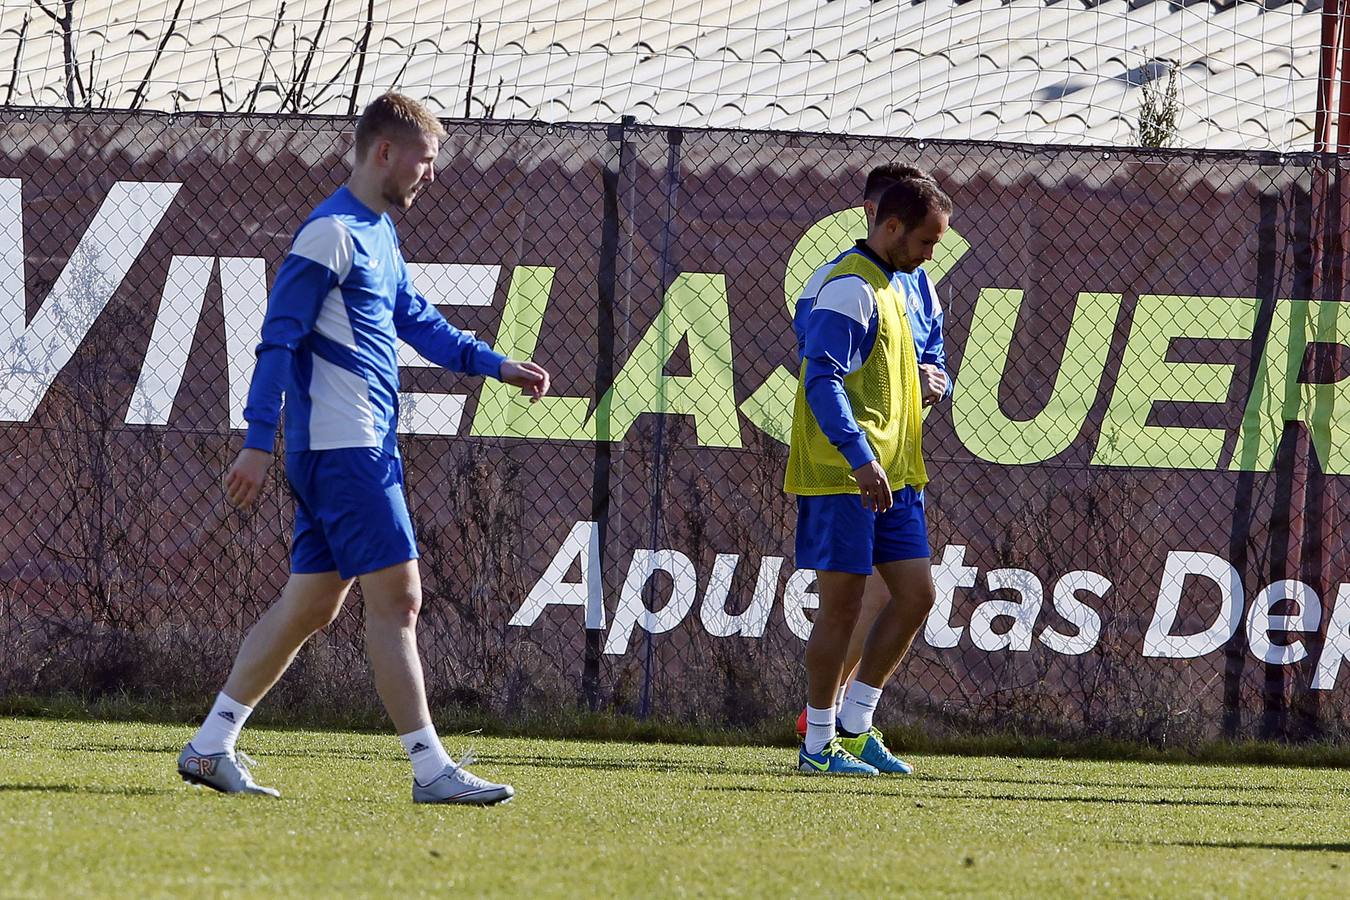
[457, 784]
[224, 772]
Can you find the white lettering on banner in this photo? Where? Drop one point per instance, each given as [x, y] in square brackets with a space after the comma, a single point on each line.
[455, 284]
[443, 284]
[1159, 640]
[180, 307]
[582, 546]
[1336, 648]
[1023, 612]
[243, 291]
[1260, 623]
[422, 412]
[799, 596]
[1078, 614]
[632, 612]
[33, 353]
[948, 574]
[751, 623]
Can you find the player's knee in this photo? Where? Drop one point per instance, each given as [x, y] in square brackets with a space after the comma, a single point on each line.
[843, 609]
[925, 595]
[401, 609]
[317, 616]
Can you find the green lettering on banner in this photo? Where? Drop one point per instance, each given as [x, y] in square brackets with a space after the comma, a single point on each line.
[976, 413]
[502, 410]
[769, 408]
[1146, 378]
[1278, 397]
[695, 310]
[822, 242]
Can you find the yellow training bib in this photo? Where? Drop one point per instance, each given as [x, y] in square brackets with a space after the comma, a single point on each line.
[883, 394]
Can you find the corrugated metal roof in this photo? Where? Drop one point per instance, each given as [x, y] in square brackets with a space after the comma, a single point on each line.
[1021, 70]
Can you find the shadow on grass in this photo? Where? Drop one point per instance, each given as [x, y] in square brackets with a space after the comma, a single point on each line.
[853, 790]
[1341, 847]
[175, 749]
[1125, 785]
[83, 789]
[624, 765]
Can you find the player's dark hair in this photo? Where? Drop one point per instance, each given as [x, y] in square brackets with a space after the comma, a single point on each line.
[911, 200]
[887, 174]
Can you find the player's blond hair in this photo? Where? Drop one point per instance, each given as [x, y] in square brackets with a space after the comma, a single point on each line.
[397, 118]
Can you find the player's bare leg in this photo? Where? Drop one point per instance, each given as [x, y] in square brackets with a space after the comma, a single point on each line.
[876, 596]
[309, 602]
[910, 584]
[393, 599]
[874, 599]
[840, 603]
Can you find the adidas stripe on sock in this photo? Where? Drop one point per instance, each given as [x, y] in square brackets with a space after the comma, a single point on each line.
[221, 728]
[428, 756]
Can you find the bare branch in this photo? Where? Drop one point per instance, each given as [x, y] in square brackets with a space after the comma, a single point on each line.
[398, 79]
[70, 63]
[220, 81]
[18, 53]
[362, 49]
[492, 110]
[322, 94]
[138, 96]
[267, 58]
[473, 69]
[296, 96]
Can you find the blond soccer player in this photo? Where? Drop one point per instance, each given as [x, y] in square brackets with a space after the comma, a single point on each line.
[340, 299]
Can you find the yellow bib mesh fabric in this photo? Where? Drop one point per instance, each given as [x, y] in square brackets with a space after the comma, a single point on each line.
[884, 396]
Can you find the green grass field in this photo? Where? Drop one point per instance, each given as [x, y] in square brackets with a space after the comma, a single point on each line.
[97, 809]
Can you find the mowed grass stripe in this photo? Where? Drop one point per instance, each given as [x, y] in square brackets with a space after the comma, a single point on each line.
[96, 809]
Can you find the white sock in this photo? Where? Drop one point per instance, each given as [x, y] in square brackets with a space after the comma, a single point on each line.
[860, 702]
[839, 698]
[222, 726]
[428, 756]
[819, 728]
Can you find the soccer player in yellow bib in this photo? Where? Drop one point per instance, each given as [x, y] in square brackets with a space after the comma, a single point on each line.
[856, 466]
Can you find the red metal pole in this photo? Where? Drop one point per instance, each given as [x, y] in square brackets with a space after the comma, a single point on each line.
[1343, 107]
[1326, 72]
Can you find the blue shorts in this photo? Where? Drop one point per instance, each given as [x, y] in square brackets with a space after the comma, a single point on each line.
[835, 533]
[350, 513]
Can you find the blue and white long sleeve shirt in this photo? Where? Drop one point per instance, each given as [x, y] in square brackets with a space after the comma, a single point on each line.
[840, 330]
[340, 299]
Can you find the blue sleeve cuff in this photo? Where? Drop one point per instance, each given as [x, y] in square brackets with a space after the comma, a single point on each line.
[858, 452]
[261, 436]
[488, 363]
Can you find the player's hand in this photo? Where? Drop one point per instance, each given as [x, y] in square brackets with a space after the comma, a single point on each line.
[932, 383]
[874, 486]
[244, 481]
[532, 379]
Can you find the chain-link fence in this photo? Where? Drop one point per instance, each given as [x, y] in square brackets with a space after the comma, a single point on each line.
[1130, 539]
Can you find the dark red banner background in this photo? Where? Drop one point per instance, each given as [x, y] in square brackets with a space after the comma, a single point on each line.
[1058, 572]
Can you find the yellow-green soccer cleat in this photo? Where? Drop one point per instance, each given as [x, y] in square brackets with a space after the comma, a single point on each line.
[832, 760]
[871, 749]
